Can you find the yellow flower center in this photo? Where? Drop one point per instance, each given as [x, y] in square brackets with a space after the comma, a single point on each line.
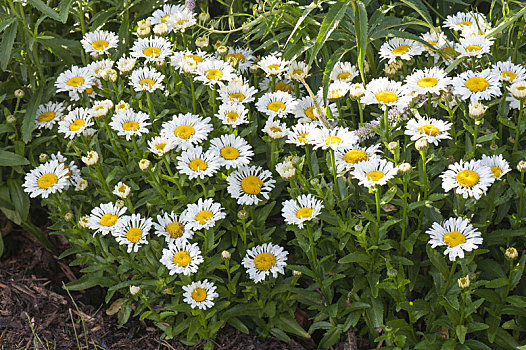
[89, 91]
[448, 52]
[239, 97]
[198, 165]
[496, 171]
[304, 213]
[432, 43]
[374, 175]
[343, 76]
[134, 234]
[400, 50]
[213, 74]
[184, 131]
[47, 180]
[165, 17]
[160, 146]
[100, 45]
[181, 22]
[108, 219]
[509, 75]
[429, 129]
[454, 238]
[467, 178]
[232, 116]
[264, 261]
[199, 294]
[238, 56]
[332, 140]
[297, 72]
[130, 126]
[465, 24]
[473, 48]
[76, 125]
[309, 112]
[182, 258]
[47, 116]
[122, 189]
[147, 81]
[197, 59]
[477, 84]
[275, 129]
[75, 81]
[386, 97]
[355, 155]
[427, 82]
[229, 153]
[302, 137]
[204, 216]
[276, 106]
[152, 51]
[251, 184]
[281, 86]
[175, 229]
[273, 66]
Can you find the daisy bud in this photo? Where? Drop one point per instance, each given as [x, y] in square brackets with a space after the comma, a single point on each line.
[421, 145]
[357, 90]
[119, 203]
[126, 65]
[493, 147]
[83, 221]
[315, 182]
[122, 107]
[112, 76]
[391, 273]
[225, 255]
[202, 42]
[476, 110]
[242, 214]
[405, 168]
[222, 50]
[122, 190]
[521, 167]
[511, 253]
[254, 68]
[161, 29]
[358, 227]
[296, 273]
[81, 184]
[68, 216]
[19, 93]
[463, 282]
[518, 90]
[366, 67]
[144, 164]
[144, 23]
[393, 146]
[134, 290]
[232, 61]
[91, 159]
[43, 157]
[11, 119]
[286, 169]
[89, 132]
[143, 32]
[203, 17]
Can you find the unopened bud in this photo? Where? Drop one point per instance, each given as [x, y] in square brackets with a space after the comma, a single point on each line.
[202, 42]
[19, 93]
[225, 255]
[521, 166]
[421, 144]
[143, 32]
[242, 214]
[11, 119]
[68, 216]
[511, 253]
[405, 168]
[222, 50]
[161, 29]
[144, 164]
[83, 221]
[134, 290]
[43, 157]
[296, 273]
[392, 273]
[393, 146]
[518, 90]
[476, 110]
[203, 17]
[463, 282]
[254, 68]
[119, 203]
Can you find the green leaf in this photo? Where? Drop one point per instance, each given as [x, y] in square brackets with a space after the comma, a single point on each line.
[88, 281]
[304, 15]
[6, 46]
[19, 198]
[421, 9]
[437, 260]
[461, 331]
[497, 283]
[289, 324]
[361, 30]
[29, 118]
[354, 257]
[11, 159]
[46, 10]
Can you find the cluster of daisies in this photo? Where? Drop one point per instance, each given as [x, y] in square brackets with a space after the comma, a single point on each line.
[279, 96]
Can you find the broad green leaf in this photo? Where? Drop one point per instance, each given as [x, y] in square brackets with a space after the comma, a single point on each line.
[354, 257]
[290, 325]
[362, 38]
[88, 281]
[19, 198]
[46, 10]
[29, 118]
[304, 15]
[421, 9]
[11, 159]
[6, 46]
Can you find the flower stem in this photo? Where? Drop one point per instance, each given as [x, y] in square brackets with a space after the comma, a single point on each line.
[518, 132]
[377, 197]
[335, 174]
[386, 125]
[404, 215]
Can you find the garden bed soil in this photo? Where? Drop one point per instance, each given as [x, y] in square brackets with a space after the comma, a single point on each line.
[37, 313]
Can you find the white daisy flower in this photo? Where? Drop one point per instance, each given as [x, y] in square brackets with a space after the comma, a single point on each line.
[98, 68]
[518, 90]
[75, 80]
[243, 56]
[232, 151]
[45, 179]
[196, 163]
[509, 71]
[161, 15]
[126, 64]
[172, 228]
[160, 145]
[304, 208]
[121, 190]
[473, 46]
[232, 113]
[75, 123]
[248, 183]
[403, 49]
[203, 215]
[132, 231]
[186, 130]
[374, 172]
[286, 169]
[336, 138]
[153, 49]
[476, 85]
[346, 158]
[180, 21]
[434, 38]
[273, 65]
[182, 257]
[514, 103]
[305, 108]
[465, 21]
[447, 52]
[297, 70]
[281, 84]
[433, 130]
[497, 164]
[73, 174]
[146, 79]
[429, 80]
[99, 42]
[469, 179]
[48, 114]
[213, 71]
[263, 260]
[298, 134]
[276, 104]
[104, 218]
[179, 57]
[455, 233]
[344, 71]
[130, 123]
[336, 90]
[236, 91]
[386, 93]
[200, 294]
[274, 129]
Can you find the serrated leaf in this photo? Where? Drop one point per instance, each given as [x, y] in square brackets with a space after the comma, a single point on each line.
[6, 46]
